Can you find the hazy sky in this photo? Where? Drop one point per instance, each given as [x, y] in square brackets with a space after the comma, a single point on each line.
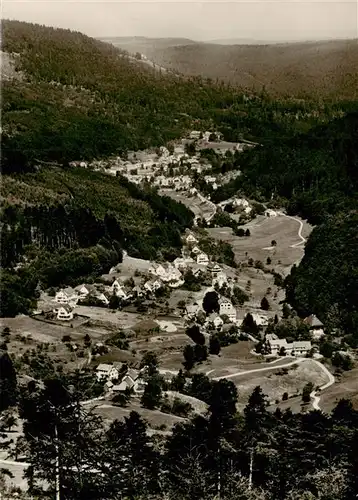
[205, 20]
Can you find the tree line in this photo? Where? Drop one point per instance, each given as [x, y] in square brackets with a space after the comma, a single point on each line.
[259, 454]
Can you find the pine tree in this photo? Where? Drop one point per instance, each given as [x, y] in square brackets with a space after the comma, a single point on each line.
[265, 305]
[178, 382]
[133, 465]
[153, 392]
[189, 357]
[214, 345]
[63, 442]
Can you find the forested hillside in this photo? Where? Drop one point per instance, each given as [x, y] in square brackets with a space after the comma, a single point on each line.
[73, 97]
[313, 174]
[70, 224]
[259, 455]
[326, 281]
[327, 69]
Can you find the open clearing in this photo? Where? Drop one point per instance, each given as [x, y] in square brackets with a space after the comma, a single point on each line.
[276, 382]
[283, 230]
[346, 386]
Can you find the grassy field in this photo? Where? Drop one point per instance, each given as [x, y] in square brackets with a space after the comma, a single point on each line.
[258, 246]
[275, 383]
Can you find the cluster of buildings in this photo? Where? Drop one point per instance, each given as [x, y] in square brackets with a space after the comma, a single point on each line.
[238, 204]
[276, 346]
[119, 381]
[164, 168]
[157, 276]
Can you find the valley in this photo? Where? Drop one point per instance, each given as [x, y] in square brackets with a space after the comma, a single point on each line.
[179, 269]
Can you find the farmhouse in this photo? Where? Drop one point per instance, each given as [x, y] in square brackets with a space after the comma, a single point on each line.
[106, 372]
[281, 346]
[153, 285]
[316, 326]
[183, 263]
[202, 259]
[157, 270]
[215, 320]
[270, 213]
[226, 308]
[66, 295]
[132, 381]
[301, 348]
[190, 239]
[118, 290]
[84, 290]
[65, 313]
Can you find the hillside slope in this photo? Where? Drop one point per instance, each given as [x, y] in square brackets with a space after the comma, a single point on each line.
[322, 69]
[79, 98]
[326, 281]
[314, 174]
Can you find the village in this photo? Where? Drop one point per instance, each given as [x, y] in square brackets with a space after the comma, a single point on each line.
[175, 168]
[216, 311]
[171, 296]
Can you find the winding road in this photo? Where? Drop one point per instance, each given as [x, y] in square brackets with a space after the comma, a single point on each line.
[314, 398]
[257, 370]
[302, 238]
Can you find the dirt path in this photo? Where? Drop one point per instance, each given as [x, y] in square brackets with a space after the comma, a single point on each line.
[331, 380]
[302, 238]
[267, 368]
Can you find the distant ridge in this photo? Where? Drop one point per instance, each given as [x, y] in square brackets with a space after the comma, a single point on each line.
[327, 68]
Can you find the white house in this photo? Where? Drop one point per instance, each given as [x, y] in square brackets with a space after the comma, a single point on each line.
[157, 270]
[227, 308]
[260, 319]
[301, 348]
[215, 320]
[183, 263]
[172, 273]
[240, 202]
[195, 134]
[190, 239]
[84, 290]
[214, 269]
[202, 259]
[132, 380]
[65, 313]
[152, 285]
[270, 213]
[220, 279]
[118, 289]
[196, 250]
[101, 296]
[297, 348]
[66, 295]
[164, 151]
[105, 371]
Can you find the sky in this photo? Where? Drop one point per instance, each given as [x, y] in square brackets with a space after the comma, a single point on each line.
[268, 20]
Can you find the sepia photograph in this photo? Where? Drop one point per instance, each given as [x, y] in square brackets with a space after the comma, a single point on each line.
[179, 250]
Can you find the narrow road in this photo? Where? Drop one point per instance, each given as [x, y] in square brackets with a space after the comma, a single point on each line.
[257, 370]
[315, 399]
[303, 240]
